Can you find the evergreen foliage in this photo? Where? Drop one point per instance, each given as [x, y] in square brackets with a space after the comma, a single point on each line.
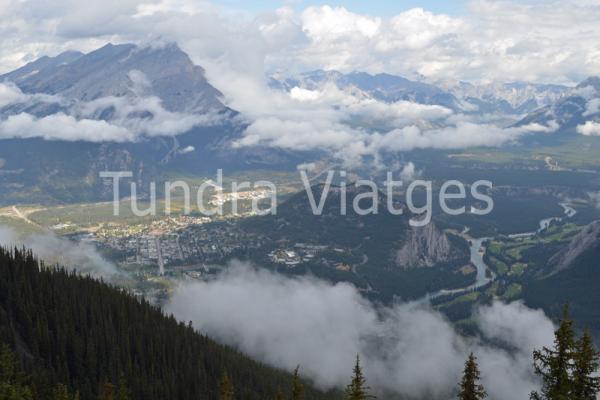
[569, 370]
[102, 343]
[226, 391]
[586, 383]
[297, 386]
[358, 389]
[470, 388]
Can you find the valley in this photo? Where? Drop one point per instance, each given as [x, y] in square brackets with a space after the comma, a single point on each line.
[218, 200]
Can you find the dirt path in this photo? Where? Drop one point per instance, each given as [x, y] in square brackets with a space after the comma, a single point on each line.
[22, 216]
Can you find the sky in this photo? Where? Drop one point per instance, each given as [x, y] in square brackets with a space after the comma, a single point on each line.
[372, 7]
[474, 40]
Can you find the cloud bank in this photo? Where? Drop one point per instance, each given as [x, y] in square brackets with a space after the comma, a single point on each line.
[408, 348]
[55, 250]
[506, 40]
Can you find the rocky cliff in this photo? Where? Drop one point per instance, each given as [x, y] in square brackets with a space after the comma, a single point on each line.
[424, 247]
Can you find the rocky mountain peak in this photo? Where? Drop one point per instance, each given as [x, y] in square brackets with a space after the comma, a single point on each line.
[424, 247]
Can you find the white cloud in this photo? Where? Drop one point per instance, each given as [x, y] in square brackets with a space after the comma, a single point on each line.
[590, 128]
[187, 150]
[62, 127]
[505, 40]
[143, 115]
[10, 94]
[409, 172]
[592, 107]
[352, 126]
[133, 116]
[327, 23]
[408, 348]
[56, 250]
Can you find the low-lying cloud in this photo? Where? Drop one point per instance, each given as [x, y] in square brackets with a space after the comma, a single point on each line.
[408, 348]
[106, 119]
[62, 127]
[590, 128]
[353, 126]
[56, 250]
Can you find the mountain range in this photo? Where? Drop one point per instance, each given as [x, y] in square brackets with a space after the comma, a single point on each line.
[150, 110]
[513, 98]
[571, 111]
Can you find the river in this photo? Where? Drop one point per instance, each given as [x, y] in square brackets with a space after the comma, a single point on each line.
[484, 274]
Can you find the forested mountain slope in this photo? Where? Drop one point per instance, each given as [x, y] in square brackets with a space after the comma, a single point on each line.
[80, 332]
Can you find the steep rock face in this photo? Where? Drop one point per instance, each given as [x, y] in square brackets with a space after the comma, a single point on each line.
[121, 70]
[424, 247]
[585, 241]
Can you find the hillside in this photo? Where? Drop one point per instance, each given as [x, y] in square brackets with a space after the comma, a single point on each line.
[380, 252]
[574, 277]
[83, 333]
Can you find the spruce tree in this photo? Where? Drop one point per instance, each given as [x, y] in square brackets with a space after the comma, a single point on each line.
[357, 389]
[12, 380]
[61, 393]
[554, 365]
[107, 392]
[586, 384]
[123, 391]
[279, 395]
[226, 391]
[297, 387]
[470, 388]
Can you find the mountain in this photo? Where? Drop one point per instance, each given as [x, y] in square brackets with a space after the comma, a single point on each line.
[155, 110]
[572, 276]
[573, 109]
[512, 98]
[165, 72]
[84, 334]
[383, 87]
[425, 247]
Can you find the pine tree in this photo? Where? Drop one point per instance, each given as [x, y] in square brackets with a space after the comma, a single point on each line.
[123, 391]
[585, 365]
[297, 387]
[470, 389]
[554, 365]
[12, 380]
[357, 389]
[279, 395]
[107, 392]
[226, 391]
[61, 393]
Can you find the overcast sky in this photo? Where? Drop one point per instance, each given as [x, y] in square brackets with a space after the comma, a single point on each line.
[549, 41]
